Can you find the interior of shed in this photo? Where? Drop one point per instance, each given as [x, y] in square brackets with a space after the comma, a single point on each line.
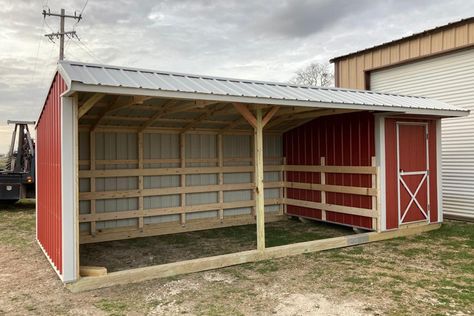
[152, 167]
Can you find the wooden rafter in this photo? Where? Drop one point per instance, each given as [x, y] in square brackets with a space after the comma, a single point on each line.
[89, 103]
[104, 113]
[169, 109]
[311, 117]
[201, 118]
[161, 112]
[233, 123]
[135, 100]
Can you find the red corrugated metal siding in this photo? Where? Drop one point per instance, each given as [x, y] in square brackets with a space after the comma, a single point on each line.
[344, 140]
[48, 195]
[391, 171]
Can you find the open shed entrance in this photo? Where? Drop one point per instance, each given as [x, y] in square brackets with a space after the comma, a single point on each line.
[168, 170]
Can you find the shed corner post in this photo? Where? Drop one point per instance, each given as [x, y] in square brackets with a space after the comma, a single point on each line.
[69, 188]
[380, 162]
[439, 170]
[259, 190]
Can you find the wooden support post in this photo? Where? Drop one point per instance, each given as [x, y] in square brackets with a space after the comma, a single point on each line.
[283, 187]
[220, 157]
[92, 166]
[140, 181]
[259, 191]
[323, 193]
[375, 221]
[182, 144]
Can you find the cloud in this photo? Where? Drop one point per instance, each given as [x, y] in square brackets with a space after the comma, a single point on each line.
[267, 40]
[302, 18]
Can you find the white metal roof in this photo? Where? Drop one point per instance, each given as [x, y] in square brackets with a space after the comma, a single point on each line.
[122, 80]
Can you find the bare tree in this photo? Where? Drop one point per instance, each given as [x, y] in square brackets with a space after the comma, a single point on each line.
[315, 74]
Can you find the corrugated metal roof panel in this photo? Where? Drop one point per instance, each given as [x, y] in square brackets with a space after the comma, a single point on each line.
[93, 74]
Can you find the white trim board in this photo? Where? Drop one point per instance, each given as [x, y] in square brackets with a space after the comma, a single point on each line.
[68, 183]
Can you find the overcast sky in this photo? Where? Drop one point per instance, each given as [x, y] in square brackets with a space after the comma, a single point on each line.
[267, 40]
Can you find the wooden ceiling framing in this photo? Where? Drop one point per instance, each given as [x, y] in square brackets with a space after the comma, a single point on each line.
[148, 113]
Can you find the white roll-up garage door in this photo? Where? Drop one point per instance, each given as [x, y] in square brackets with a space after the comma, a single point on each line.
[448, 78]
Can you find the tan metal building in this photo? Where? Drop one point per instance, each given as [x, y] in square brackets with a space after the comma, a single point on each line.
[436, 63]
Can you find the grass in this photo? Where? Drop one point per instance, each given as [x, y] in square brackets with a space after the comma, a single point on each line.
[17, 223]
[428, 274]
[112, 307]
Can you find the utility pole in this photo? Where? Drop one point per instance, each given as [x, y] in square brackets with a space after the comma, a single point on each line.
[60, 35]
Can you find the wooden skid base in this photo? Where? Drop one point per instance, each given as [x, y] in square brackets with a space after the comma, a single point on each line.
[216, 262]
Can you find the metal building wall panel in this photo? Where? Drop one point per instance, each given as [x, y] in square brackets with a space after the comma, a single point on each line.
[447, 78]
[48, 173]
[344, 140]
[431, 43]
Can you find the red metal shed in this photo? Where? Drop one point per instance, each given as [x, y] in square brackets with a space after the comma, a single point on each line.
[356, 158]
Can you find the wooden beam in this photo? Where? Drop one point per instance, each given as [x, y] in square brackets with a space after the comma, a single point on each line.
[333, 208]
[182, 156]
[89, 103]
[332, 169]
[323, 192]
[191, 170]
[170, 108]
[161, 112]
[173, 190]
[104, 113]
[92, 167]
[331, 188]
[307, 116]
[233, 124]
[199, 119]
[175, 228]
[269, 115]
[130, 101]
[258, 178]
[220, 164]
[140, 181]
[216, 262]
[92, 271]
[245, 112]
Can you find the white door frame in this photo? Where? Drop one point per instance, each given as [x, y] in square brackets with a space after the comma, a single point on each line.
[425, 173]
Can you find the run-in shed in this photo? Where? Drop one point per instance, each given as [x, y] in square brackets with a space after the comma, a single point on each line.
[125, 153]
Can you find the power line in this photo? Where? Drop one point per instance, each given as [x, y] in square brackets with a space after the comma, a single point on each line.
[88, 51]
[84, 7]
[37, 53]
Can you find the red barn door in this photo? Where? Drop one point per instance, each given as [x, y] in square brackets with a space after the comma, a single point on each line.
[413, 172]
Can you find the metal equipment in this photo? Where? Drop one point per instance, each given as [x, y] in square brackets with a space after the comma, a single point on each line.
[17, 178]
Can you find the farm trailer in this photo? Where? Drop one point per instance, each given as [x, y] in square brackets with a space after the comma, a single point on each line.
[127, 153]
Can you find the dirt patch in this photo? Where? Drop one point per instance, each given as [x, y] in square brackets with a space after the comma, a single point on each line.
[313, 304]
[142, 252]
